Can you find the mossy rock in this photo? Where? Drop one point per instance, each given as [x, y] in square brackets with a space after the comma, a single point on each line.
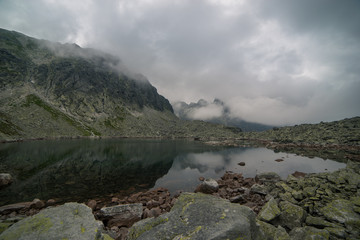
[200, 216]
[69, 221]
[272, 232]
[291, 215]
[269, 211]
[4, 226]
[309, 233]
[340, 211]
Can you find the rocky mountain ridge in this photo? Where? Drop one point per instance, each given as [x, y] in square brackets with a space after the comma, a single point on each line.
[61, 90]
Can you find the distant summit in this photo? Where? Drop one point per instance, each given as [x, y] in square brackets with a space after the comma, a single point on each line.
[215, 112]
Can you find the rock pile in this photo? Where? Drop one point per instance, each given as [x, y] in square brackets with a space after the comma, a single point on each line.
[120, 214]
[317, 206]
[237, 189]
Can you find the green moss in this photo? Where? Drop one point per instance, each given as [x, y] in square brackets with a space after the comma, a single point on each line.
[188, 236]
[135, 232]
[4, 226]
[37, 223]
[7, 127]
[107, 237]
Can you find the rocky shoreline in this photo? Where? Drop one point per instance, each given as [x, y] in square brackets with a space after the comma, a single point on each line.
[337, 152]
[321, 206]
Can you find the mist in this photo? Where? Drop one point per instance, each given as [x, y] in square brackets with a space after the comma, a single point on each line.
[273, 62]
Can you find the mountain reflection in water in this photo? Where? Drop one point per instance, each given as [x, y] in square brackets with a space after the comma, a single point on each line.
[77, 170]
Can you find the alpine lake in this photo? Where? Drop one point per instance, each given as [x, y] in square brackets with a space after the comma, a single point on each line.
[83, 169]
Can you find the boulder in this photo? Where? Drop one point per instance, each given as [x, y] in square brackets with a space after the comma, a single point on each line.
[208, 186]
[6, 209]
[199, 216]
[308, 233]
[238, 199]
[121, 215]
[68, 221]
[92, 204]
[5, 179]
[154, 212]
[291, 215]
[272, 232]
[50, 202]
[260, 189]
[319, 222]
[337, 232]
[340, 211]
[281, 234]
[37, 203]
[269, 211]
[267, 177]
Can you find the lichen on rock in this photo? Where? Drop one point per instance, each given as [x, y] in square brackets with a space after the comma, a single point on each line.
[68, 221]
[200, 216]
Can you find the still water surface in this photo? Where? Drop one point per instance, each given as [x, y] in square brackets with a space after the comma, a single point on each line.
[78, 170]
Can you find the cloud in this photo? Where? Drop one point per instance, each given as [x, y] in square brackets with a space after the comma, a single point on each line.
[274, 62]
[206, 112]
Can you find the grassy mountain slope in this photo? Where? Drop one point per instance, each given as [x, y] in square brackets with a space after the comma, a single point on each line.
[61, 90]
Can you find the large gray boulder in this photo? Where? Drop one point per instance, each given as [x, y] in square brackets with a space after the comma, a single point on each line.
[69, 221]
[200, 216]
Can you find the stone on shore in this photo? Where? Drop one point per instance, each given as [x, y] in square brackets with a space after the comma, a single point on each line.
[267, 177]
[5, 179]
[6, 209]
[200, 216]
[37, 203]
[68, 221]
[208, 186]
[122, 215]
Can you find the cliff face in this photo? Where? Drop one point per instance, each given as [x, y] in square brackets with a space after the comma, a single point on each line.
[61, 90]
[51, 89]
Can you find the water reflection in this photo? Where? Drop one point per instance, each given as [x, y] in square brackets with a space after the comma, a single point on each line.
[82, 169]
[186, 169]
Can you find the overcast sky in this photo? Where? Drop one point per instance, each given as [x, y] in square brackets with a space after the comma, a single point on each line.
[271, 61]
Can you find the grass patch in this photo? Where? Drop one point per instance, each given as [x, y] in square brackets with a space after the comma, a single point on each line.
[7, 127]
[56, 114]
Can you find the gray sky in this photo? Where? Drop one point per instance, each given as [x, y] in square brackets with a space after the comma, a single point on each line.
[271, 61]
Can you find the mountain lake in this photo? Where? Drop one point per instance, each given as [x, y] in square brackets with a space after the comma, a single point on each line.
[83, 169]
